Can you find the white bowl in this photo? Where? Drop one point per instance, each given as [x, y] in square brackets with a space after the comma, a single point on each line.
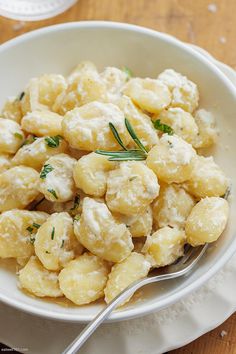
[57, 49]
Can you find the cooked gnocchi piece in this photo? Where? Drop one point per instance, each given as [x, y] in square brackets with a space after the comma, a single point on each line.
[11, 136]
[55, 243]
[87, 127]
[208, 133]
[165, 246]
[83, 280]
[42, 123]
[99, 232]
[134, 267]
[12, 109]
[207, 179]
[184, 92]
[182, 123]
[18, 187]
[114, 79]
[105, 163]
[17, 233]
[5, 162]
[140, 121]
[35, 154]
[86, 87]
[91, 172]
[149, 94]
[42, 92]
[56, 178]
[171, 159]
[172, 206]
[207, 221]
[38, 280]
[131, 188]
[139, 225]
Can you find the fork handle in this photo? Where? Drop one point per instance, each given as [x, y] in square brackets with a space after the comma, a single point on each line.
[74, 347]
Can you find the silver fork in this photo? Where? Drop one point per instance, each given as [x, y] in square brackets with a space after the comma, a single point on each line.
[182, 266]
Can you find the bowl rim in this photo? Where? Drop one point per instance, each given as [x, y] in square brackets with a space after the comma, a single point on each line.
[169, 300]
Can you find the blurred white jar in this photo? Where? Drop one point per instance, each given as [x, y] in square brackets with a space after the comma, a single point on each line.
[33, 10]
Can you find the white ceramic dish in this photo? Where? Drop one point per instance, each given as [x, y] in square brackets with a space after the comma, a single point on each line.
[146, 52]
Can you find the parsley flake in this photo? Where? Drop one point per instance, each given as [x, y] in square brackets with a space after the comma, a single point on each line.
[18, 135]
[53, 233]
[53, 192]
[132, 178]
[47, 252]
[163, 127]
[46, 169]
[36, 226]
[30, 229]
[53, 141]
[77, 217]
[62, 243]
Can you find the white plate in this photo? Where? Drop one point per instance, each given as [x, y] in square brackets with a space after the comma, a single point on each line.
[168, 329]
[147, 52]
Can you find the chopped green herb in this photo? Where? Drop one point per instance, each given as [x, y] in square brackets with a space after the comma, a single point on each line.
[77, 217]
[46, 169]
[18, 135]
[53, 141]
[62, 243]
[36, 226]
[132, 178]
[128, 72]
[30, 229]
[53, 193]
[76, 202]
[47, 252]
[21, 95]
[32, 240]
[163, 127]
[53, 233]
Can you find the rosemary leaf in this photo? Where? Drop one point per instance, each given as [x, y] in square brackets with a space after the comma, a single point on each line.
[53, 192]
[18, 135]
[53, 233]
[116, 136]
[76, 202]
[127, 71]
[134, 136]
[53, 141]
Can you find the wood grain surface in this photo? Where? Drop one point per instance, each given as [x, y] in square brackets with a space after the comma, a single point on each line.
[209, 24]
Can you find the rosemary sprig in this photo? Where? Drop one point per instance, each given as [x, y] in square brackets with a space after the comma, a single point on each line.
[127, 154]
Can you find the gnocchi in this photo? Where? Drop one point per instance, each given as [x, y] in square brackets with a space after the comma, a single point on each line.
[18, 187]
[38, 280]
[17, 233]
[101, 180]
[83, 280]
[207, 221]
[165, 246]
[207, 179]
[11, 136]
[55, 243]
[42, 123]
[172, 207]
[99, 232]
[35, 154]
[131, 188]
[56, 178]
[87, 127]
[134, 267]
[149, 94]
[91, 173]
[171, 159]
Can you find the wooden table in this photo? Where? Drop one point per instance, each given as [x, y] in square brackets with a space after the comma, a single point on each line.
[209, 24]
